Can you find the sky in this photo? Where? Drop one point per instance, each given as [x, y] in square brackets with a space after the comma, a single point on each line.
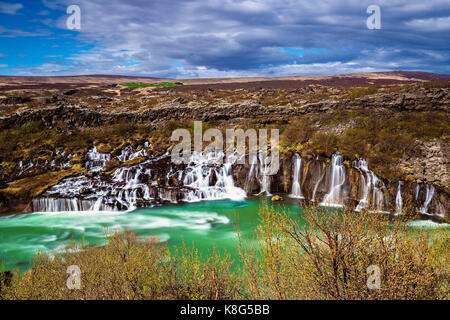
[222, 38]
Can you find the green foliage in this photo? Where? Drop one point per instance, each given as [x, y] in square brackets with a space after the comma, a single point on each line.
[361, 92]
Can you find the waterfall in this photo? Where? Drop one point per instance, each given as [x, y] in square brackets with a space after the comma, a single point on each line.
[366, 182]
[296, 191]
[377, 195]
[209, 181]
[369, 186]
[252, 172]
[63, 204]
[428, 197]
[316, 185]
[334, 197]
[97, 204]
[398, 199]
[265, 163]
[95, 160]
[260, 168]
[128, 153]
[417, 191]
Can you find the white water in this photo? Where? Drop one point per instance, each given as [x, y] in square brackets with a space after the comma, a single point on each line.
[63, 204]
[398, 199]
[128, 153]
[334, 196]
[369, 182]
[265, 168]
[296, 191]
[96, 160]
[428, 197]
[366, 183]
[417, 191]
[209, 179]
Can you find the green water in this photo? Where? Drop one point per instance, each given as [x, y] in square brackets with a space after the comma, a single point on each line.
[202, 224]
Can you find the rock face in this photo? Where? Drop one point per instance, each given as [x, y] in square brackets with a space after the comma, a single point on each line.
[157, 180]
[415, 99]
[430, 163]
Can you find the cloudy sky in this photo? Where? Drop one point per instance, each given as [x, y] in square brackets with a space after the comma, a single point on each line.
[222, 38]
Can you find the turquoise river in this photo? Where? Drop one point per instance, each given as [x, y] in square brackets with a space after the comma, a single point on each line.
[203, 224]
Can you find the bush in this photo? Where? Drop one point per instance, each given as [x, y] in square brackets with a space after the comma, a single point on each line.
[325, 143]
[126, 268]
[326, 256]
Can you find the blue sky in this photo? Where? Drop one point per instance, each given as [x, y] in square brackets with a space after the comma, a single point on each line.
[226, 38]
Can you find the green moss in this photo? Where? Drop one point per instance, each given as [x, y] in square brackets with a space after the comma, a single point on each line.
[33, 186]
[123, 164]
[347, 163]
[361, 92]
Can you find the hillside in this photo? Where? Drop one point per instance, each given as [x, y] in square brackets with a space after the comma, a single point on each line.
[395, 123]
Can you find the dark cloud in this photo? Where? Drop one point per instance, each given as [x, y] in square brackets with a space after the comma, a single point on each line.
[231, 38]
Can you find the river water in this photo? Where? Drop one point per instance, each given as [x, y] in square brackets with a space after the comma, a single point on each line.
[202, 224]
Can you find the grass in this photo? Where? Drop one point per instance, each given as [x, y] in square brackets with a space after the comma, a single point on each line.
[324, 257]
[143, 85]
[381, 139]
[33, 186]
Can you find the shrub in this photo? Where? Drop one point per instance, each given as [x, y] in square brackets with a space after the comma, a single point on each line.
[326, 256]
[126, 268]
[325, 143]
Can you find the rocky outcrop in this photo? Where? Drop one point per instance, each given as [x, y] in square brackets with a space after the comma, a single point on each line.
[417, 99]
[429, 162]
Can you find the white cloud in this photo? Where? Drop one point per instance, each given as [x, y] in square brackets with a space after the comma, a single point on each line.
[10, 8]
[430, 24]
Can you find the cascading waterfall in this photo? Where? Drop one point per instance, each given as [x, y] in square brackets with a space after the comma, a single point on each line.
[156, 180]
[366, 182]
[417, 192]
[265, 163]
[369, 182]
[63, 204]
[208, 181]
[334, 196]
[296, 191]
[398, 199]
[128, 153]
[428, 197]
[96, 160]
[377, 194]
